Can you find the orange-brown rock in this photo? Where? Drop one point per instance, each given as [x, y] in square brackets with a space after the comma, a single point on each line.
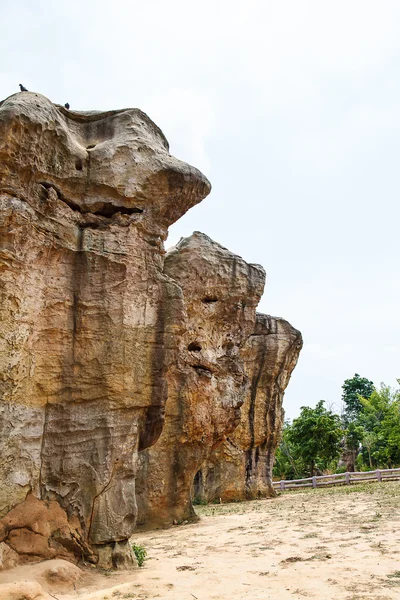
[241, 468]
[37, 529]
[99, 328]
[42, 580]
[23, 590]
[207, 383]
[89, 322]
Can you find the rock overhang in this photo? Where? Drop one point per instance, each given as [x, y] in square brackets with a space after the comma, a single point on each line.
[99, 162]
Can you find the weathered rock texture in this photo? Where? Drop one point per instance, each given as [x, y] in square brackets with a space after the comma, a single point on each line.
[207, 383]
[97, 332]
[89, 321]
[242, 466]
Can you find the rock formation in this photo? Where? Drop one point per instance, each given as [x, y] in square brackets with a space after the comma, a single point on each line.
[99, 328]
[89, 322]
[241, 468]
[207, 383]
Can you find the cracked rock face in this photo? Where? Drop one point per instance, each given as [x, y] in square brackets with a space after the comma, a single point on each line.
[241, 468]
[207, 383]
[89, 321]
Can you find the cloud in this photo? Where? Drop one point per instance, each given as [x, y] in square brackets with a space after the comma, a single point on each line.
[291, 107]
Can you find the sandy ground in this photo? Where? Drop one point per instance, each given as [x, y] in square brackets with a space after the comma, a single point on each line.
[341, 543]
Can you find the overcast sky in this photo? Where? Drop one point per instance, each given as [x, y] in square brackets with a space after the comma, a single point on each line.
[292, 109]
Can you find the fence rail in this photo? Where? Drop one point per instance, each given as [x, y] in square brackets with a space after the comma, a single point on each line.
[339, 479]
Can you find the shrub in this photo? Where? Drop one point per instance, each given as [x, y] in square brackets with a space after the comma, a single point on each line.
[140, 553]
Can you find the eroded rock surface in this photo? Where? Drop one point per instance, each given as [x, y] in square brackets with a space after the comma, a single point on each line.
[207, 383]
[241, 468]
[54, 576]
[37, 529]
[89, 321]
[99, 328]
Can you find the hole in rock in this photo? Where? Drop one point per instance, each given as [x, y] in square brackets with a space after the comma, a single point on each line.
[202, 370]
[89, 225]
[209, 299]
[90, 146]
[78, 164]
[228, 345]
[194, 347]
[108, 210]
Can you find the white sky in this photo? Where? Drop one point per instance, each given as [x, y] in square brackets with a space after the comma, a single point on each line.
[292, 109]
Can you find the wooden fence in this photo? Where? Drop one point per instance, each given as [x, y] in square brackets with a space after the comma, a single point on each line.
[339, 479]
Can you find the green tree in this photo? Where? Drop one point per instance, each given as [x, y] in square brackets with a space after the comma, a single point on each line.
[288, 464]
[352, 438]
[380, 418]
[369, 440]
[316, 435]
[352, 390]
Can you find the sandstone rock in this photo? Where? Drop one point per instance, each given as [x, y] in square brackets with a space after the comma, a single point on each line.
[97, 332]
[207, 383]
[242, 466]
[89, 322]
[23, 590]
[54, 576]
[8, 557]
[36, 529]
[58, 575]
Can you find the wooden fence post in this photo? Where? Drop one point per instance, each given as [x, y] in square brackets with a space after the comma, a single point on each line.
[314, 482]
[282, 486]
[347, 478]
[379, 475]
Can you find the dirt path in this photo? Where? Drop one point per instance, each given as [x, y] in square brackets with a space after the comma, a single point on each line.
[341, 543]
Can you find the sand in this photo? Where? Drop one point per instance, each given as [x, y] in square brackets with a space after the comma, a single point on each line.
[341, 543]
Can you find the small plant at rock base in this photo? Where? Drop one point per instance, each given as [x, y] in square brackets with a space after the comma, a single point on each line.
[140, 553]
[199, 501]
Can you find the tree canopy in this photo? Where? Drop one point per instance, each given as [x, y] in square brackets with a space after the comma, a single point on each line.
[316, 434]
[367, 436]
[352, 390]
[380, 420]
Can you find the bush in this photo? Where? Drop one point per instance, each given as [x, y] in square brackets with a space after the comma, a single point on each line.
[140, 553]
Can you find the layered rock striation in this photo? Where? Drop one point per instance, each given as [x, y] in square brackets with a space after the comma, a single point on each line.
[122, 370]
[207, 383]
[241, 468]
[89, 321]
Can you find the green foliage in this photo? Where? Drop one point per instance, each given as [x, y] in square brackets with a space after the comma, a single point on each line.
[311, 443]
[140, 553]
[354, 435]
[352, 390]
[369, 431]
[316, 434]
[288, 464]
[380, 419]
[199, 501]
